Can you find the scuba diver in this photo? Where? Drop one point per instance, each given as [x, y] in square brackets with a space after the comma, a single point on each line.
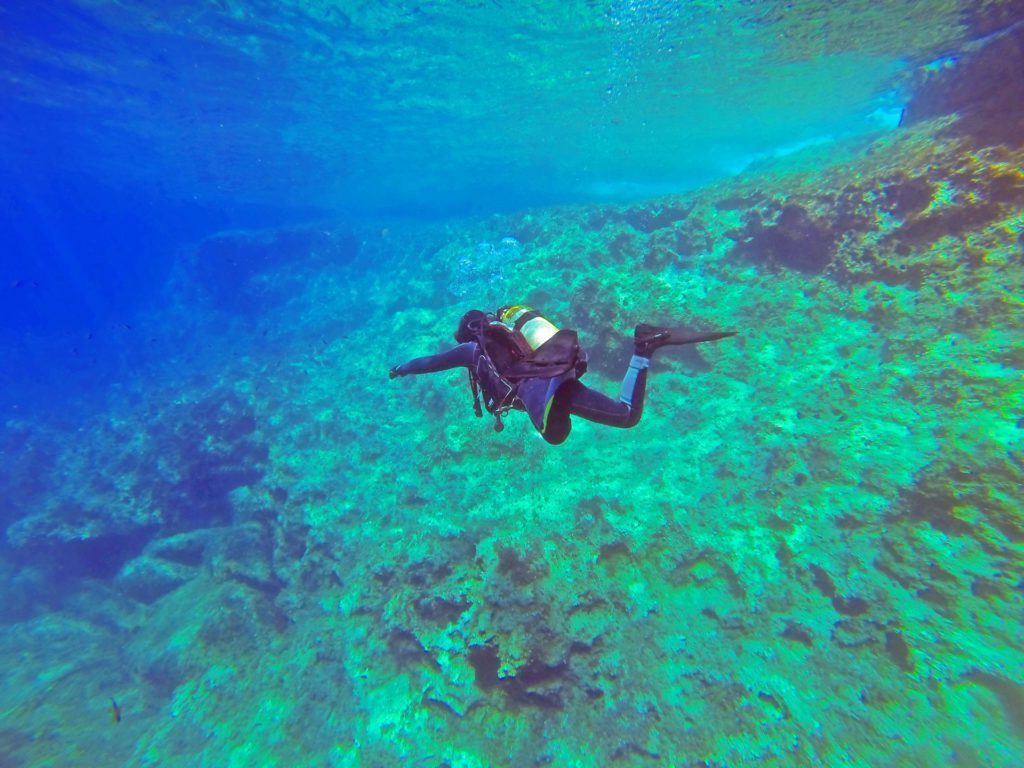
[518, 360]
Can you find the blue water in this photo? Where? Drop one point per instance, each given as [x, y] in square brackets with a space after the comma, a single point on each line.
[129, 131]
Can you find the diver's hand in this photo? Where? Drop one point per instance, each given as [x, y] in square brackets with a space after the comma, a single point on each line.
[393, 373]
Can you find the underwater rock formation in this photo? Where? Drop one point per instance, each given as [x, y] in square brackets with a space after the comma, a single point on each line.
[980, 84]
[785, 235]
[80, 541]
[246, 272]
[133, 495]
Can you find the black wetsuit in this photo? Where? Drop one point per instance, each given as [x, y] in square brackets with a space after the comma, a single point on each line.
[569, 397]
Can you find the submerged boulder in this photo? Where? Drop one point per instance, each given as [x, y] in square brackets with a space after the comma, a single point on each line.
[786, 236]
[81, 541]
[237, 553]
[147, 578]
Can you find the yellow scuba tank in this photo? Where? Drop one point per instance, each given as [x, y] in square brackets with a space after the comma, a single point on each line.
[529, 328]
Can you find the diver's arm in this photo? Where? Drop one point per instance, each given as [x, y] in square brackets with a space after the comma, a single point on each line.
[460, 356]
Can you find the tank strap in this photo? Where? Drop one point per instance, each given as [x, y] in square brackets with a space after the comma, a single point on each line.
[496, 407]
[475, 386]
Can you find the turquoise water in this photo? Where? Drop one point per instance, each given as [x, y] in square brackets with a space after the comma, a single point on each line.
[230, 539]
[441, 107]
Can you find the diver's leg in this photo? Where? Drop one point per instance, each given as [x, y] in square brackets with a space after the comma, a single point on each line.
[624, 412]
[557, 425]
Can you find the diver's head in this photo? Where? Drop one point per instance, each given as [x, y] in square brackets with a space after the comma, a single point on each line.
[470, 324]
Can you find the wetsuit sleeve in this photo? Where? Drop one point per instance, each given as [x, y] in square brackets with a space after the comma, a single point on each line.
[460, 356]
